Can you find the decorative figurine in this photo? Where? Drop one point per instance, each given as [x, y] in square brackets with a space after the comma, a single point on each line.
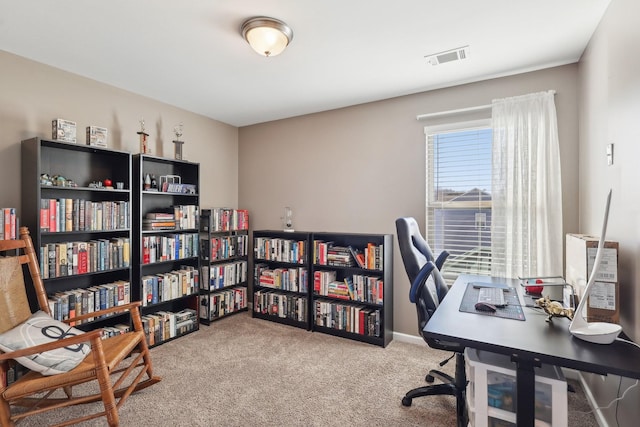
[59, 181]
[45, 179]
[177, 143]
[144, 145]
[108, 183]
[554, 309]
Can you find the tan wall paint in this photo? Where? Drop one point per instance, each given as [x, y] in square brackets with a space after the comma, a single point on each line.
[32, 94]
[357, 169]
[609, 86]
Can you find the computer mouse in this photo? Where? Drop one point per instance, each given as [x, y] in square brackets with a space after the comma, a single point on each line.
[485, 306]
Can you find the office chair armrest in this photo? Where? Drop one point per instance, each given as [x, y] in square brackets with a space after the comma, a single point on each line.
[420, 280]
[441, 259]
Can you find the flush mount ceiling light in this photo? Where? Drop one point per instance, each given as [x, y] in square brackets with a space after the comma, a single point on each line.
[267, 36]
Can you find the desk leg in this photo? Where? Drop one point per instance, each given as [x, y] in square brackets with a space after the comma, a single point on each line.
[525, 390]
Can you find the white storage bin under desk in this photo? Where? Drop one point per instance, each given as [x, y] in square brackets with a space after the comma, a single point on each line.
[491, 392]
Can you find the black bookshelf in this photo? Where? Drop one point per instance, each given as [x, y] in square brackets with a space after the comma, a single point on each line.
[166, 256]
[224, 266]
[80, 225]
[350, 298]
[358, 304]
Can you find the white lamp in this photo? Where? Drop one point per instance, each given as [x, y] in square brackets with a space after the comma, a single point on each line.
[267, 36]
[596, 332]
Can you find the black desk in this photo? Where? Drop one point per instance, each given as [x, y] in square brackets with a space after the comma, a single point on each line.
[529, 343]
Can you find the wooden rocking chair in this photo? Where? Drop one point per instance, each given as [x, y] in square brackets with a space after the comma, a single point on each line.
[107, 361]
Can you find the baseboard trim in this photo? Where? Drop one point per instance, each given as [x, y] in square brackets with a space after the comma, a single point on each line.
[411, 339]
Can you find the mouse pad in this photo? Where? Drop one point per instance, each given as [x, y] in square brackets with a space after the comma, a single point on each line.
[513, 310]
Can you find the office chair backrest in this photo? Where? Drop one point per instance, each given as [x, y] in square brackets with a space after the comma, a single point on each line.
[414, 249]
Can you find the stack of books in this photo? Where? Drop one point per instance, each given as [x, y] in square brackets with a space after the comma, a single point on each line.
[159, 221]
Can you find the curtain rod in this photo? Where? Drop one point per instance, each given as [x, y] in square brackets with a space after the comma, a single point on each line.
[460, 110]
[451, 112]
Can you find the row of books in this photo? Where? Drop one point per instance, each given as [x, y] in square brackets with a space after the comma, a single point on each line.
[345, 317]
[112, 331]
[358, 287]
[223, 275]
[179, 217]
[69, 304]
[59, 215]
[225, 219]
[220, 304]
[71, 258]
[171, 247]
[282, 250]
[374, 257]
[225, 247]
[161, 287]
[163, 325]
[9, 224]
[289, 306]
[289, 279]
[327, 253]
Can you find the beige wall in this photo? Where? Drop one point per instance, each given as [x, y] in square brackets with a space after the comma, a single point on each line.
[359, 168]
[610, 113]
[32, 94]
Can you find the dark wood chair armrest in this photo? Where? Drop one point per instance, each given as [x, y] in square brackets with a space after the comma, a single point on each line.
[132, 306]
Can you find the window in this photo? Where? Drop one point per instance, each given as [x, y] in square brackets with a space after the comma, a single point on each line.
[459, 195]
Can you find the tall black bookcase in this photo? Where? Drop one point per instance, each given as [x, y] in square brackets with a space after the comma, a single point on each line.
[80, 225]
[224, 266]
[165, 245]
[281, 277]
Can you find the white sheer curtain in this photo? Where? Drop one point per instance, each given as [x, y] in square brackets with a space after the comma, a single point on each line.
[526, 237]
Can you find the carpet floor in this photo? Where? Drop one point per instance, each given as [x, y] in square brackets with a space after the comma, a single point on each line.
[243, 371]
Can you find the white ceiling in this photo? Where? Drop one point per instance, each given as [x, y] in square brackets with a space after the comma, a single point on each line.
[190, 53]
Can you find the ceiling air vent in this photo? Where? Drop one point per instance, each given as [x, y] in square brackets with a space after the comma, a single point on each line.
[456, 54]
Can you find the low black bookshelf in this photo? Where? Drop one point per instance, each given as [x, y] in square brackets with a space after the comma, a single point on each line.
[347, 280]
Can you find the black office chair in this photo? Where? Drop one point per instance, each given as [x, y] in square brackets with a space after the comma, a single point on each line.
[416, 247]
[427, 294]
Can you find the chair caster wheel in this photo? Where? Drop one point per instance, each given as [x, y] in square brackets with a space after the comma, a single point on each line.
[429, 378]
[406, 401]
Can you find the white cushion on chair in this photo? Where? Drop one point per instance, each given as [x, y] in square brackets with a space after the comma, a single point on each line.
[41, 328]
